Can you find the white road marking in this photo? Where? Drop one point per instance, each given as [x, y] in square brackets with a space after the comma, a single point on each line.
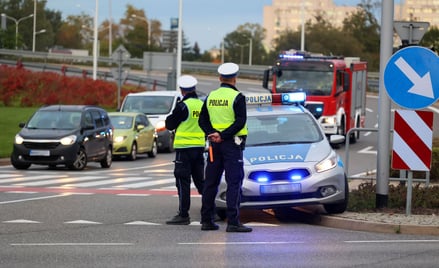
[35, 198]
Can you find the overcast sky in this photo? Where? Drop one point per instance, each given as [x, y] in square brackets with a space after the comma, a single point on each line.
[204, 21]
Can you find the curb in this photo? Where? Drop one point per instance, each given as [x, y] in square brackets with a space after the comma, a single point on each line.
[356, 225]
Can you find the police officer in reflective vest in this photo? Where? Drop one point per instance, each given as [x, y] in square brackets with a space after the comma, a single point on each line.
[189, 144]
[223, 118]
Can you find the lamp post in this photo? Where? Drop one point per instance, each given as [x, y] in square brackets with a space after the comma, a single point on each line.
[148, 23]
[250, 52]
[95, 42]
[110, 31]
[17, 21]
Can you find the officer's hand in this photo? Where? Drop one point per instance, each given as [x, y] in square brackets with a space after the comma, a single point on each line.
[215, 137]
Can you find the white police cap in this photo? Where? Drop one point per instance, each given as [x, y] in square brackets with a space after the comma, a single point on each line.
[228, 69]
[187, 82]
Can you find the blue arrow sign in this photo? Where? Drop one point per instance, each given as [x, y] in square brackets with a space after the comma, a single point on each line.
[408, 77]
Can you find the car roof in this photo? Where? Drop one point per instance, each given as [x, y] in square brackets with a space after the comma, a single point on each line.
[156, 93]
[69, 108]
[125, 114]
[255, 110]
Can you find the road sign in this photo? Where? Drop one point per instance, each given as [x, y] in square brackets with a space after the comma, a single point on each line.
[412, 140]
[411, 31]
[120, 54]
[408, 77]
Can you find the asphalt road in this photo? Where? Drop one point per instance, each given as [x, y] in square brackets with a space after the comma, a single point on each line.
[115, 218]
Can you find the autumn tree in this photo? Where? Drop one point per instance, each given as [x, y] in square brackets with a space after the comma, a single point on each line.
[237, 44]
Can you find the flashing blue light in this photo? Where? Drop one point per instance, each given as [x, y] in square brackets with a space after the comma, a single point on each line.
[289, 56]
[262, 179]
[319, 109]
[296, 177]
[294, 97]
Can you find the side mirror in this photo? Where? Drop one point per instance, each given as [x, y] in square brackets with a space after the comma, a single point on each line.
[336, 139]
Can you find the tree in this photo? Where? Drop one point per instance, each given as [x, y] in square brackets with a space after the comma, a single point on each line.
[431, 39]
[236, 44]
[364, 27]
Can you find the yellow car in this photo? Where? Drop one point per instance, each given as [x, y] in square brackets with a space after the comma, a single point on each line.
[133, 134]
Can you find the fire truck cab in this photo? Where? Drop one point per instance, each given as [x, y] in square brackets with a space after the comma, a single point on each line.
[335, 88]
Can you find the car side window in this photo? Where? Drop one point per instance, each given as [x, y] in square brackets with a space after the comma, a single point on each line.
[97, 119]
[105, 118]
[143, 120]
[88, 119]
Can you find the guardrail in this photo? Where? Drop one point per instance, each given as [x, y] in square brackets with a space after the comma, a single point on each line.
[45, 60]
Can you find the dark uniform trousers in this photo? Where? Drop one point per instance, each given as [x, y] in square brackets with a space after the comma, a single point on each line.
[227, 157]
[188, 161]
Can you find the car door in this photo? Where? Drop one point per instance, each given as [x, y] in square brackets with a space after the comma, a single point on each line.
[89, 135]
[144, 135]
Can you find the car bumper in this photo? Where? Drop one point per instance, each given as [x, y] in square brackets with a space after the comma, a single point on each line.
[308, 191]
[54, 156]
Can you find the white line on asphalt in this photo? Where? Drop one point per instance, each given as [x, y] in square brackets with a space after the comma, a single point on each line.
[240, 243]
[393, 241]
[71, 244]
[35, 198]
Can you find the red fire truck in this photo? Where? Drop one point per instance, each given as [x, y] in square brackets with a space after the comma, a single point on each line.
[335, 88]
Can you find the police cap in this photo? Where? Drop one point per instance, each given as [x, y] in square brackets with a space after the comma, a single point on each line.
[228, 69]
[187, 82]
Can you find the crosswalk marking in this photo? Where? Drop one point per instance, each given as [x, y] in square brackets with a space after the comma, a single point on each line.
[153, 178]
[146, 183]
[32, 178]
[59, 180]
[104, 182]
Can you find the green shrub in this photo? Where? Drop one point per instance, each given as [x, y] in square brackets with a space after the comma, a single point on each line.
[424, 199]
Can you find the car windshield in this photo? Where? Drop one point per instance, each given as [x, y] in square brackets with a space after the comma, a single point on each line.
[311, 82]
[148, 105]
[55, 120]
[121, 121]
[282, 129]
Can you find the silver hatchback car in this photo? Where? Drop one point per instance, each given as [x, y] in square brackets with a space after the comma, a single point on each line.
[288, 160]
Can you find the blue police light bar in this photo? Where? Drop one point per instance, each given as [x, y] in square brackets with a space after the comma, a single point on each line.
[293, 98]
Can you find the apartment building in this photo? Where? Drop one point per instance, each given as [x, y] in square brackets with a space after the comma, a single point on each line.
[291, 14]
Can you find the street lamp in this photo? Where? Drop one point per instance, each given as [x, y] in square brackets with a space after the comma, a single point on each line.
[148, 23]
[17, 21]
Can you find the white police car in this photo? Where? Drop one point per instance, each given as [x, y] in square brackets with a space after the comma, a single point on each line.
[288, 160]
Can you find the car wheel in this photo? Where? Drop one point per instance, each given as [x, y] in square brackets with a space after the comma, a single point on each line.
[19, 165]
[153, 152]
[339, 207]
[222, 213]
[108, 159]
[80, 162]
[133, 154]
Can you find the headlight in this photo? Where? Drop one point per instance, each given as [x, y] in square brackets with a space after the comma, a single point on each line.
[329, 120]
[327, 164]
[160, 126]
[119, 138]
[69, 140]
[18, 139]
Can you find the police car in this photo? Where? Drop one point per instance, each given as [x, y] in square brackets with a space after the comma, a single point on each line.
[288, 160]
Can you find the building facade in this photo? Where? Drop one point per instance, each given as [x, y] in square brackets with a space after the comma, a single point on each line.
[291, 14]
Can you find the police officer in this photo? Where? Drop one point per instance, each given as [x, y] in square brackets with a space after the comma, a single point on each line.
[189, 144]
[223, 118]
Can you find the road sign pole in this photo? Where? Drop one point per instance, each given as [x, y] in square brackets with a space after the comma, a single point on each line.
[408, 202]
[386, 48]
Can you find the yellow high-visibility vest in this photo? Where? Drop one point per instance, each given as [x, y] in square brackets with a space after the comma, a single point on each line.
[188, 133]
[220, 107]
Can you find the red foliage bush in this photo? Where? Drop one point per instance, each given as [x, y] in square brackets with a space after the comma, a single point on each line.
[21, 87]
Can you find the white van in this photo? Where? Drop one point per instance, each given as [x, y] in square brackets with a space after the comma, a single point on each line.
[157, 105]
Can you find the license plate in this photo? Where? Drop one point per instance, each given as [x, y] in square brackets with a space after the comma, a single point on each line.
[39, 153]
[281, 188]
